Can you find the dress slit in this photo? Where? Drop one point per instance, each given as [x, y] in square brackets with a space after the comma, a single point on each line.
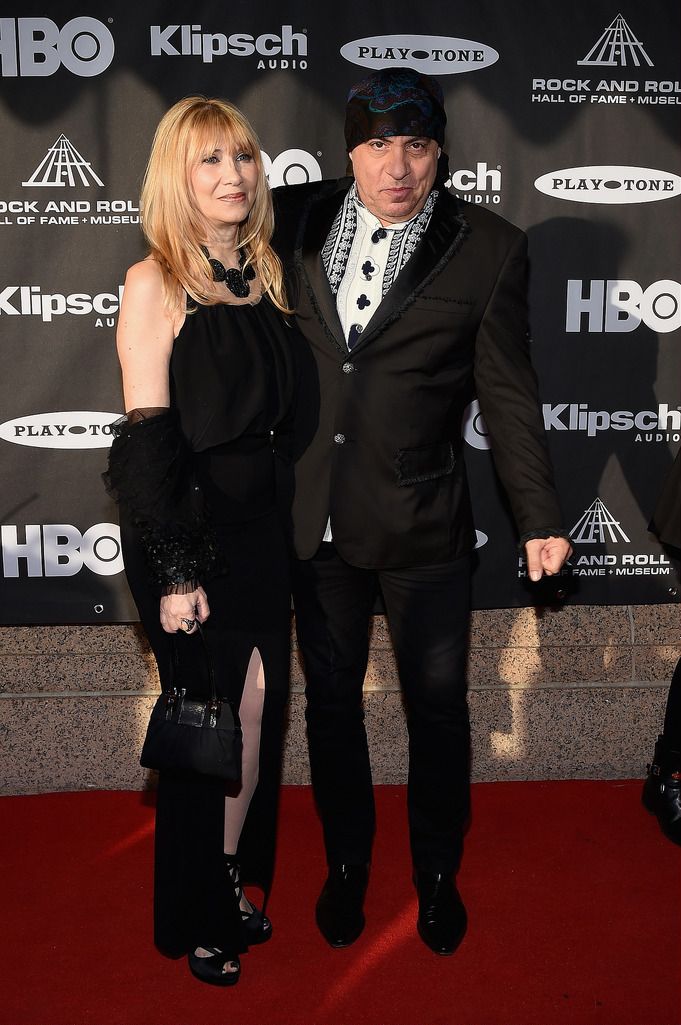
[238, 795]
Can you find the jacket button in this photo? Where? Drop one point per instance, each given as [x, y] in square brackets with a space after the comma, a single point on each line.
[339, 439]
[348, 368]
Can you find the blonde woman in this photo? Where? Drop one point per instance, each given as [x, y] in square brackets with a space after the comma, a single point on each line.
[209, 366]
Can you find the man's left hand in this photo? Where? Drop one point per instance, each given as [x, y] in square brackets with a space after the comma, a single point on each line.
[546, 555]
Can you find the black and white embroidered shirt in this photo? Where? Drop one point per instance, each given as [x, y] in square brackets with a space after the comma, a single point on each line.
[362, 258]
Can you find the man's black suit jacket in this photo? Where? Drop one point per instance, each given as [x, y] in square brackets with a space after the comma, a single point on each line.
[385, 461]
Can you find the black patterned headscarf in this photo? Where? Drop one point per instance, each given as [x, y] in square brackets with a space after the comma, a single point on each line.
[395, 101]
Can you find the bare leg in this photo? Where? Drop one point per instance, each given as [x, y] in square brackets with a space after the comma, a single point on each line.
[239, 795]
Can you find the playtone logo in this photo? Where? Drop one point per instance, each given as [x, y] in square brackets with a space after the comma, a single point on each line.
[612, 306]
[191, 41]
[432, 55]
[60, 550]
[72, 430]
[609, 184]
[37, 47]
[30, 301]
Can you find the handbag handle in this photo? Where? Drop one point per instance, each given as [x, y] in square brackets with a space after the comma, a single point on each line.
[175, 666]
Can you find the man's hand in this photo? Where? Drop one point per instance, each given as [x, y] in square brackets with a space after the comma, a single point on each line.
[546, 555]
[179, 610]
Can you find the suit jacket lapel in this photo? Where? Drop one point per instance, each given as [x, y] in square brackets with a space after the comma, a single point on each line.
[444, 236]
[314, 228]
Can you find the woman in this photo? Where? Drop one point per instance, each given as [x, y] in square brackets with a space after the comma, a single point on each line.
[208, 366]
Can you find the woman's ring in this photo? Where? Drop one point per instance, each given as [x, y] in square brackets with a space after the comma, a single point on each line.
[188, 624]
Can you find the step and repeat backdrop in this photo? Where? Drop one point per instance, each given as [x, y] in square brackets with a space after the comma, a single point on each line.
[565, 121]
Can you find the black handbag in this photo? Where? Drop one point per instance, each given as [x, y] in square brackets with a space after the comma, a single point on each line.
[186, 734]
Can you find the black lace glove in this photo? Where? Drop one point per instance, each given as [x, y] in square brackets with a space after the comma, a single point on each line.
[150, 474]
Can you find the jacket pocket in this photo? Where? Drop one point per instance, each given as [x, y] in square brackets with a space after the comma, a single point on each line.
[428, 462]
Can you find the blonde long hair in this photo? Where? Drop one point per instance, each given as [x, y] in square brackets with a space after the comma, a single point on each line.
[171, 221]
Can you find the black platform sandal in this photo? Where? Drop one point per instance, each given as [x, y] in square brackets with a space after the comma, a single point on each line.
[212, 969]
[257, 926]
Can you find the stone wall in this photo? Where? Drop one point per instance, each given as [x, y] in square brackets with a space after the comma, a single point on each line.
[576, 692]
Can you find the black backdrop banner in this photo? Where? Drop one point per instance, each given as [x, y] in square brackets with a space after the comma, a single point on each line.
[565, 121]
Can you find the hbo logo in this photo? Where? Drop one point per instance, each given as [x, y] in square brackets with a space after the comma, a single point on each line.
[474, 427]
[611, 306]
[292, 167]
[37, 47]
[60, 550]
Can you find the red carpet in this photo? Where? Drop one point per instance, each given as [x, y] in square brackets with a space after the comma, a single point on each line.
[572, 892]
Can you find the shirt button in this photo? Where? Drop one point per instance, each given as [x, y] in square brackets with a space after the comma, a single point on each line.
[339, 439]
[348, 368]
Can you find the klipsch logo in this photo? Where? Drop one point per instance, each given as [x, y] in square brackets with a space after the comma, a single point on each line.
[622, 306]
[60, 550]
[433, 55]
[617, 47]
[37, 47]
[609, 184]
[31, 301]
[73, 430]
[281, 50]
[661, 424]
[479, 186]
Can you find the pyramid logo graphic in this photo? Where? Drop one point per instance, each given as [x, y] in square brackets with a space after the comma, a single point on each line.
[618, 46]
[62, 165]
[596, 526]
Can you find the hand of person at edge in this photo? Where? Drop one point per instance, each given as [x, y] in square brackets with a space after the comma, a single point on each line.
[546, 555]
[190, 606]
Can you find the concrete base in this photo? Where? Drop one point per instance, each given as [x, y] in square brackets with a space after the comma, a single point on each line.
[572, 693]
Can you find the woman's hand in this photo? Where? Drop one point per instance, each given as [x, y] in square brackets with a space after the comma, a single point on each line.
[182, 611]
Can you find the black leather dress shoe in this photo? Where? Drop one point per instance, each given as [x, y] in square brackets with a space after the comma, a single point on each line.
[442, 917]
[662, 789]
[339, 913]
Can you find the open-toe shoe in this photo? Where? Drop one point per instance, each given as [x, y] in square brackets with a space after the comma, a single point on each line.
[256, 925]
[211, 969]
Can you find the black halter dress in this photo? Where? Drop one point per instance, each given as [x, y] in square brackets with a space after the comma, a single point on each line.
[233, 375]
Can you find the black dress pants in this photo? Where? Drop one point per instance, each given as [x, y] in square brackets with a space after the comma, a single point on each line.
[427, 610]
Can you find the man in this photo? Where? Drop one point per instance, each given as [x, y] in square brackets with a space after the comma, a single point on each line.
[411, 302]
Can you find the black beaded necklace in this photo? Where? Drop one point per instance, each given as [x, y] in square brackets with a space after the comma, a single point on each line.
[235, 280]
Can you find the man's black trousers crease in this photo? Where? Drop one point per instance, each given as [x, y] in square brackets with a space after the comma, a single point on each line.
[427, 609]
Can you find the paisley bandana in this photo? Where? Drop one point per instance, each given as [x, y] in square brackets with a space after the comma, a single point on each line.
[395, 101]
